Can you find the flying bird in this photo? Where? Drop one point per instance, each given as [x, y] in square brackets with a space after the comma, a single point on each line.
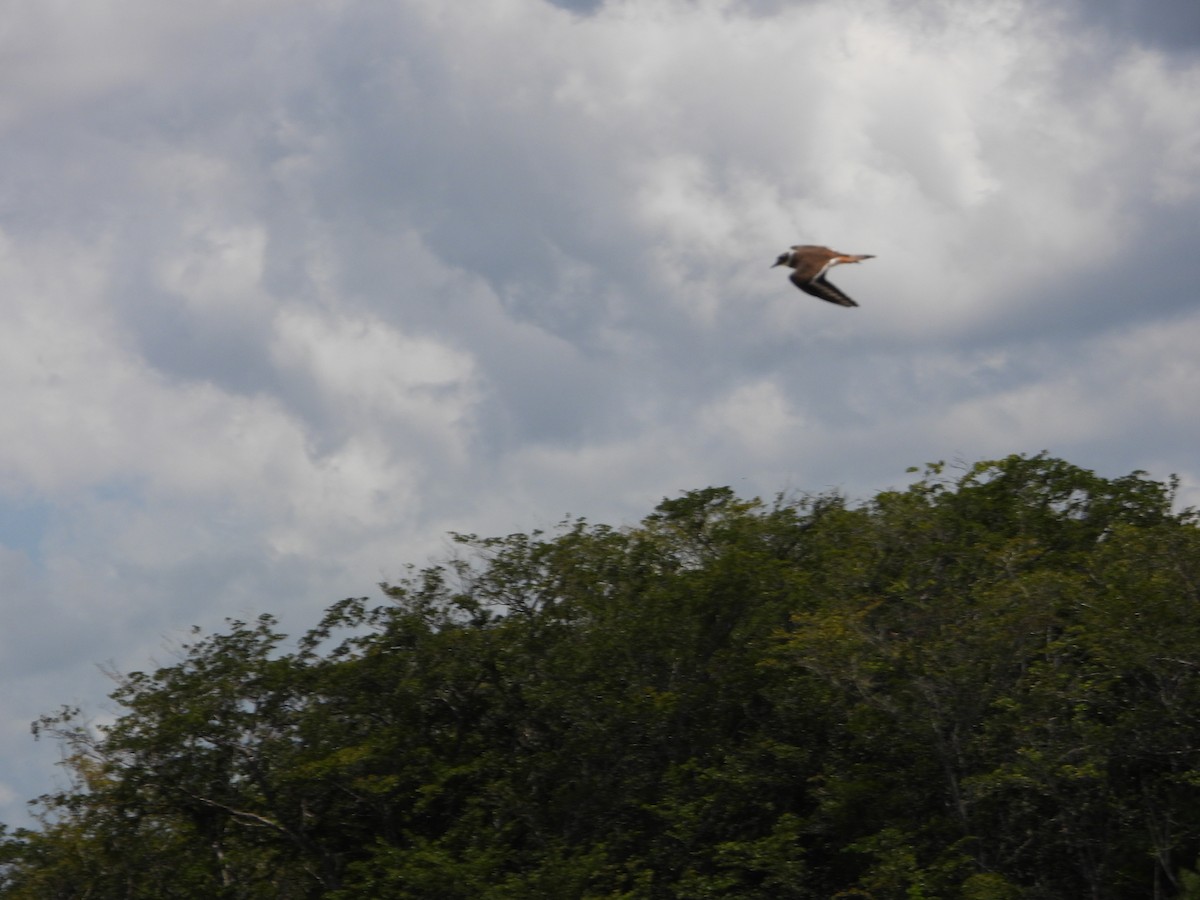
[811, 263]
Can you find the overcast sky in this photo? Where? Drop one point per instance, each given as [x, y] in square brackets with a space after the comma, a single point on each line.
[291, 288]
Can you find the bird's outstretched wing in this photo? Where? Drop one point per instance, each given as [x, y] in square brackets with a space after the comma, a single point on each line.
[819, 287]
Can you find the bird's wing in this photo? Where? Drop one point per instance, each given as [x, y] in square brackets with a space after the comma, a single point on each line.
[819, 287]
[812, 262]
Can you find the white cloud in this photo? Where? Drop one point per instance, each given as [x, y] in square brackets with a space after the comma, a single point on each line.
[756, 419]
[60, 53]
[376, 374]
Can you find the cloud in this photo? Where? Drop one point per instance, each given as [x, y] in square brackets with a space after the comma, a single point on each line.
[1172, 24]
[60, 55]
[292, 289]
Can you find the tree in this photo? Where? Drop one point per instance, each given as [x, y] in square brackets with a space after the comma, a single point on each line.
[981, 688]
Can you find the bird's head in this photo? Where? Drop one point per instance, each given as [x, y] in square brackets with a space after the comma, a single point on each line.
[784, 259]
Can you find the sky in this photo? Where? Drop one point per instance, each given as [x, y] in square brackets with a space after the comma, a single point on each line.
[291, 289]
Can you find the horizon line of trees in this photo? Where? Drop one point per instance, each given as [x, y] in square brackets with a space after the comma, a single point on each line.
[980, 687]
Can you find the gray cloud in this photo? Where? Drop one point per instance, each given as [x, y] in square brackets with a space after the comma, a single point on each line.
[1171, 24]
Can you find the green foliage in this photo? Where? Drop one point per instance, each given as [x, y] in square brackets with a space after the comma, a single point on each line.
[983, 688]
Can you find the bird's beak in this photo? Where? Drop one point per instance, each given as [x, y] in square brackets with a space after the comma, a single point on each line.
[776, 263]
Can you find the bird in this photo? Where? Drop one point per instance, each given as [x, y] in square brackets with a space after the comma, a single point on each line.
[811, 263]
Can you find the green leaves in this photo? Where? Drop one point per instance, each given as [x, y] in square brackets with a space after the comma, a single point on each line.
[982, 688]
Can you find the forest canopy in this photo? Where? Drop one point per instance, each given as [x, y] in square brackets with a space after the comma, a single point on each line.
[982, 686]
